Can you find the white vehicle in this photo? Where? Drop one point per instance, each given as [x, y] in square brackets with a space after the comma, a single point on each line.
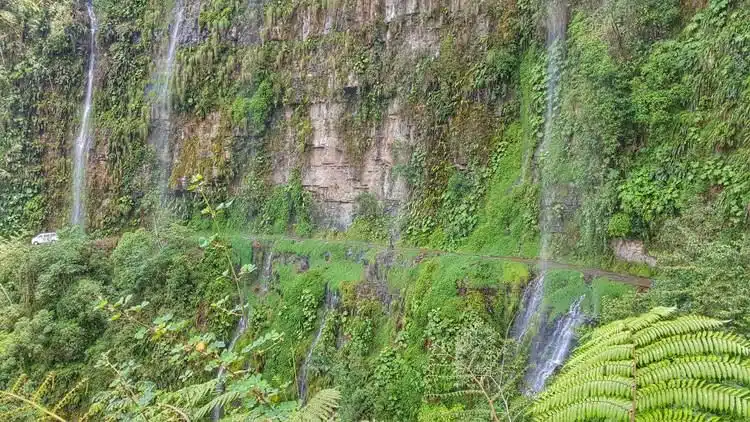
[44, 238]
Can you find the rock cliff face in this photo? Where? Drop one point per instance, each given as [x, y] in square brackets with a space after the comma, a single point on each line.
[389, 98]
[332, 177]
[428, 110]
[344, 114]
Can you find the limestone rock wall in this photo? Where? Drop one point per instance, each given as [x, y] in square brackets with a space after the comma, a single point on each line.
[404, 32]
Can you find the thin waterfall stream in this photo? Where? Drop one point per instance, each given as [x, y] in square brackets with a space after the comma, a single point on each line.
[331, 303]
[83, 141]
[556, 350]
[162, 106]
[530, 305]
[551, 349]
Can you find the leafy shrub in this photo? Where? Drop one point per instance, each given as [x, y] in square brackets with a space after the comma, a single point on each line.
[649, 195]
[370, 222]
[289, 208]
[619, 225]
[253, 112]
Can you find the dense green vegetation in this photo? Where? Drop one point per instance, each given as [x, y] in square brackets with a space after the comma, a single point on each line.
[135, 319]
[87, 311]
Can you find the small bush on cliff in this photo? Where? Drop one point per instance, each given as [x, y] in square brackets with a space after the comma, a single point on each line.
[619, 225]
[370, 222]
[288, 209]
[253, 112]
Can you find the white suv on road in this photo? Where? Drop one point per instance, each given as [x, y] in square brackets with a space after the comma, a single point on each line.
[44, 238]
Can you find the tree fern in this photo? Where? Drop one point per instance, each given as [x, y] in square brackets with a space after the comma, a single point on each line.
[594, 408]
[697, 367]
[682, 325]
[676, 415]
[221, 401]
[655, 367]
[321, 408]
[695, 394]
[693, 344]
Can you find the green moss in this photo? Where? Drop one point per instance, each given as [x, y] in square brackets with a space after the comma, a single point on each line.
[515, 273]
[563, 287]
[507, 224]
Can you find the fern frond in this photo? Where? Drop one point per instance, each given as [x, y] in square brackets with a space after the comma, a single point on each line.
[676, 415]
[699, 367]
[36, 406]
[42, 390]
[573, 382]
[673, 368]
[20, 382]
[606, 331]
[454, 394]
[467, 415]
[622, 368]
[594, 347]
[693, 344]
[610, 387]
[695, 394]
[682, 325]
[191, 396]
[10, 415]
[66, 398]
[612, 353]
[220, 401]
[631, 324]
[94, 409]
[320, 408]
[597, 408]
[649, 318]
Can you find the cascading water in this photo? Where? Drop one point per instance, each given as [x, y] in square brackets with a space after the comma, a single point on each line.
[556, 28]
[532, 301]
[556, 350]
[240, 330]
[332, 301]
[83, 141]
[162, 105]
[551, 348]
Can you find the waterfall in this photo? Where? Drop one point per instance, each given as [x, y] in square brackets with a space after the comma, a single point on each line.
[332, 301]
[556, 28]
[557, 349]
[240, 330]
[83, 141]
[551, 349]
[267, 267]
[530, 305]
[532, 299]
[162, 106]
